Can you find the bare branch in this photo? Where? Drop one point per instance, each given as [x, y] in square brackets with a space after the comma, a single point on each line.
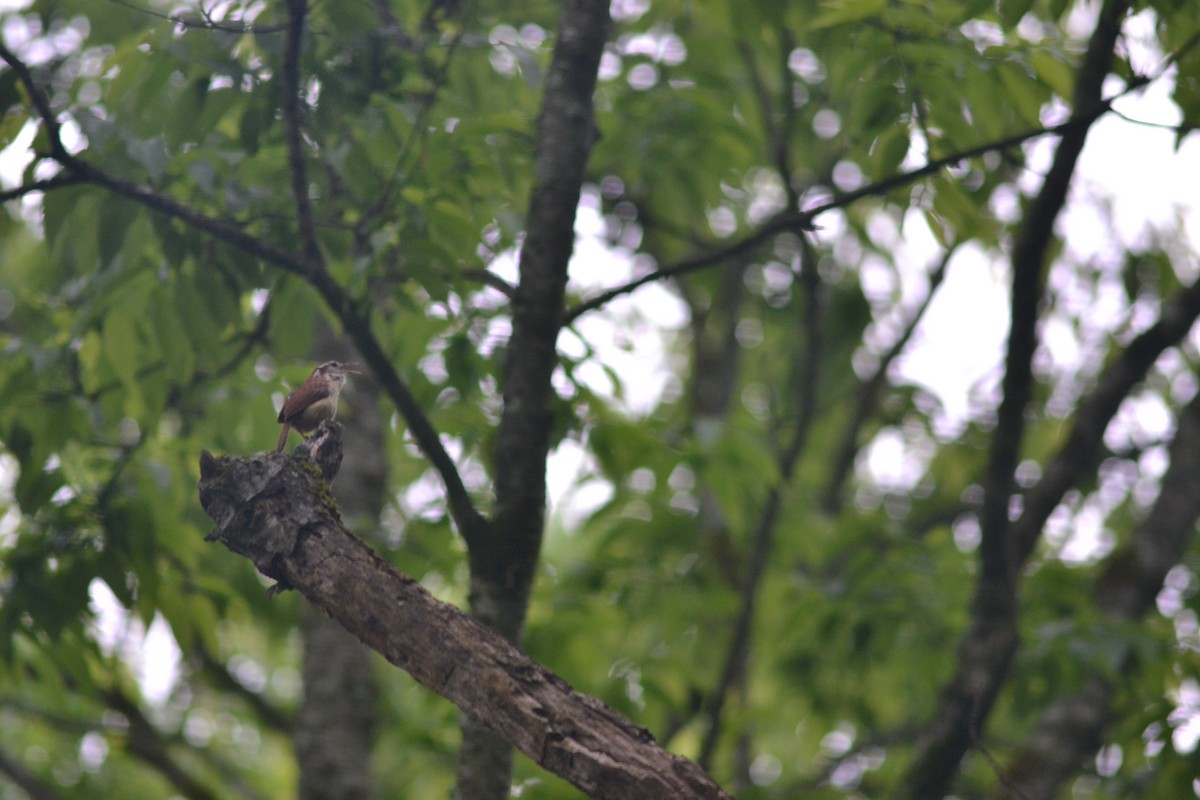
[207, 23]
[802, 221]
[58, 181]
[146, 743]
[41, 103]
[1069, 731]
[784, 221]
[492, 281]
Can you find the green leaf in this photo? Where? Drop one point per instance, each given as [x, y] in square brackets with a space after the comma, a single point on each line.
[1053, 71]
[838, 12]
[120, 341]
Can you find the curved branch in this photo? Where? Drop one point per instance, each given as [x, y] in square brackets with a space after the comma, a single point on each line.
[1084, 446]
[31, 784]
[1071, 728]
[208, 23]
[783, 221]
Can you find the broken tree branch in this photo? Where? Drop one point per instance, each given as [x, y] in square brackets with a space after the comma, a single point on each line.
[276, 510]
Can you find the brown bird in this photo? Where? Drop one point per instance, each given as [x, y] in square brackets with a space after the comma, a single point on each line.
[315, 401]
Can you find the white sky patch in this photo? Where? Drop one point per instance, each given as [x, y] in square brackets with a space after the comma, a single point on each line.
[629, 334]
[574, 484]
[960, 342]
[152, 654]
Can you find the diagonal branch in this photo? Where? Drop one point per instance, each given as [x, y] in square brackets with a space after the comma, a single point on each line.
[46, 185]
[32, 785]
[469, 520]
[783, 221]
[145, 743]
[276, 512]
[1084, 445]
[1071, 728]
[801, 221]
[206, 22]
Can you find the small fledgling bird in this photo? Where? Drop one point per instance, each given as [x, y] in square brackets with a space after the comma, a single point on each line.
[315, 401]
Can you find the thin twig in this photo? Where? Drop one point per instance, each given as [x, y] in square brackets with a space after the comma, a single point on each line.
[784, 221]
[801, 221]
[57, 182]
[491, 280]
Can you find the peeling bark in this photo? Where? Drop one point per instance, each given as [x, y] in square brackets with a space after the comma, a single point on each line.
[277, 511]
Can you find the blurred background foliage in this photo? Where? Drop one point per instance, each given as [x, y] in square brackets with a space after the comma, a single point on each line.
[137, 661]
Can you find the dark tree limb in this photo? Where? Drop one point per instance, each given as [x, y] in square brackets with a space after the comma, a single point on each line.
[1084, 445]
[146, 743]
[31, 784]
[801, 221]
[991, 638]
[503, 564]
[804, 221]
[1070, 730]
[712, 256]
[46, 185]
[276, 511]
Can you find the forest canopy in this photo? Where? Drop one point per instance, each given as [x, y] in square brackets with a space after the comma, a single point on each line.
[798, 395]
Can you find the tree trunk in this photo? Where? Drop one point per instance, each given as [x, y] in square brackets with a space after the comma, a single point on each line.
[336, 724]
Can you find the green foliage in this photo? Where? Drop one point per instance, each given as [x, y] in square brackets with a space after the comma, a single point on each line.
[131, 341]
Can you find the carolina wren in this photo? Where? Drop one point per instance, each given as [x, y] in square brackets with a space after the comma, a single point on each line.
[315, 401]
